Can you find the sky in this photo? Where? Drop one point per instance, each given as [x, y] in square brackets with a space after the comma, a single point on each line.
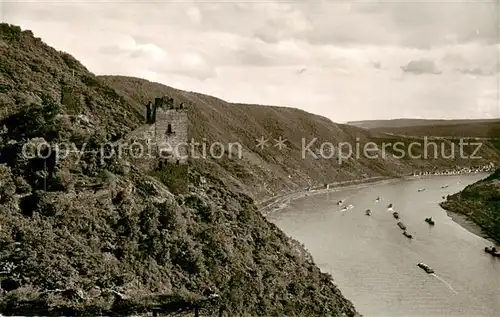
[344, 60]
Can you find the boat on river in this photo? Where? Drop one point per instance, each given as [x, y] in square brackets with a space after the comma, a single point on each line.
[425, 267]
[368, 212]
[395, 215]
[429, 221]
[408, 235]
[445, 186]
[402, 225]
[492, 250]
[347, 207]
[421, 190]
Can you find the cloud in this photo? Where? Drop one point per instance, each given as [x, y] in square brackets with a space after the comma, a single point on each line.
[339, 59]
[421, 25]
[483, 63]
[192, 64]
[475, 71]
[433, 24]
[422, 66]
[454, 59]
[135, 50]
[285, 24]
[194, 15]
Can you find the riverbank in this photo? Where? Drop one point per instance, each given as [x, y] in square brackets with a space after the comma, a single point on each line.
[475, 208]
[276, 203]
[469, 225]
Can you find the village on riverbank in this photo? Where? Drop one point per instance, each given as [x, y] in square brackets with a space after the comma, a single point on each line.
[280, 200]
[459, 170]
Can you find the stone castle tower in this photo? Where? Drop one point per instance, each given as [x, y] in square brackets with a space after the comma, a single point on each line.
[171, 132]
[164, 141]
[168, 130]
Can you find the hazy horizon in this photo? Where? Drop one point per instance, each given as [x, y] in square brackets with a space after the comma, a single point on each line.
[347, 62]
[426, 119]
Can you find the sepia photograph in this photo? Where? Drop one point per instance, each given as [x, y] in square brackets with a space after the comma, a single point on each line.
[240, 158]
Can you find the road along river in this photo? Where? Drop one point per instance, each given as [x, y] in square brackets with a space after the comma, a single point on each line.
[375, 265]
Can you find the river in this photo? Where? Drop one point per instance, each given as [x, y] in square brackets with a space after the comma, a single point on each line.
[374, 265]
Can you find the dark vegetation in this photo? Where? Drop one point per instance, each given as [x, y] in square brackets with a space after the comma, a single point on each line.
[81, 253]
[481, 203]
[170, 174]
[90, 237]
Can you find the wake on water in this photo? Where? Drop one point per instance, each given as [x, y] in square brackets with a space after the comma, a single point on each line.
[343, 201]
[445, 283]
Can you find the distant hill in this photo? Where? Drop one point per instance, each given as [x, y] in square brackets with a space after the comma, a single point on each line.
[479, 202]
[490, 129]
[407, 122]
[480, 128]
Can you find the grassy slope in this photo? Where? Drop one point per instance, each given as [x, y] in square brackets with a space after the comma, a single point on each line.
[481, 203]
[105, 239]
[265, 173]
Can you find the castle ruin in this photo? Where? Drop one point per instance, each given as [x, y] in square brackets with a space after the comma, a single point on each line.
[164, 142]
[169, 124]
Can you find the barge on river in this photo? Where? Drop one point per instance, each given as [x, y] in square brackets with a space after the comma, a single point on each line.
[493, 251]
[425, 267]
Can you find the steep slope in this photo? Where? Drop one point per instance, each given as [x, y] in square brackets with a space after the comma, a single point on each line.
[34, 72]
[268, 172]
[84, 235]
[480, 202]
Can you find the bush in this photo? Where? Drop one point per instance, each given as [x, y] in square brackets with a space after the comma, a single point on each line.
[36, 120]
[175, 177]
